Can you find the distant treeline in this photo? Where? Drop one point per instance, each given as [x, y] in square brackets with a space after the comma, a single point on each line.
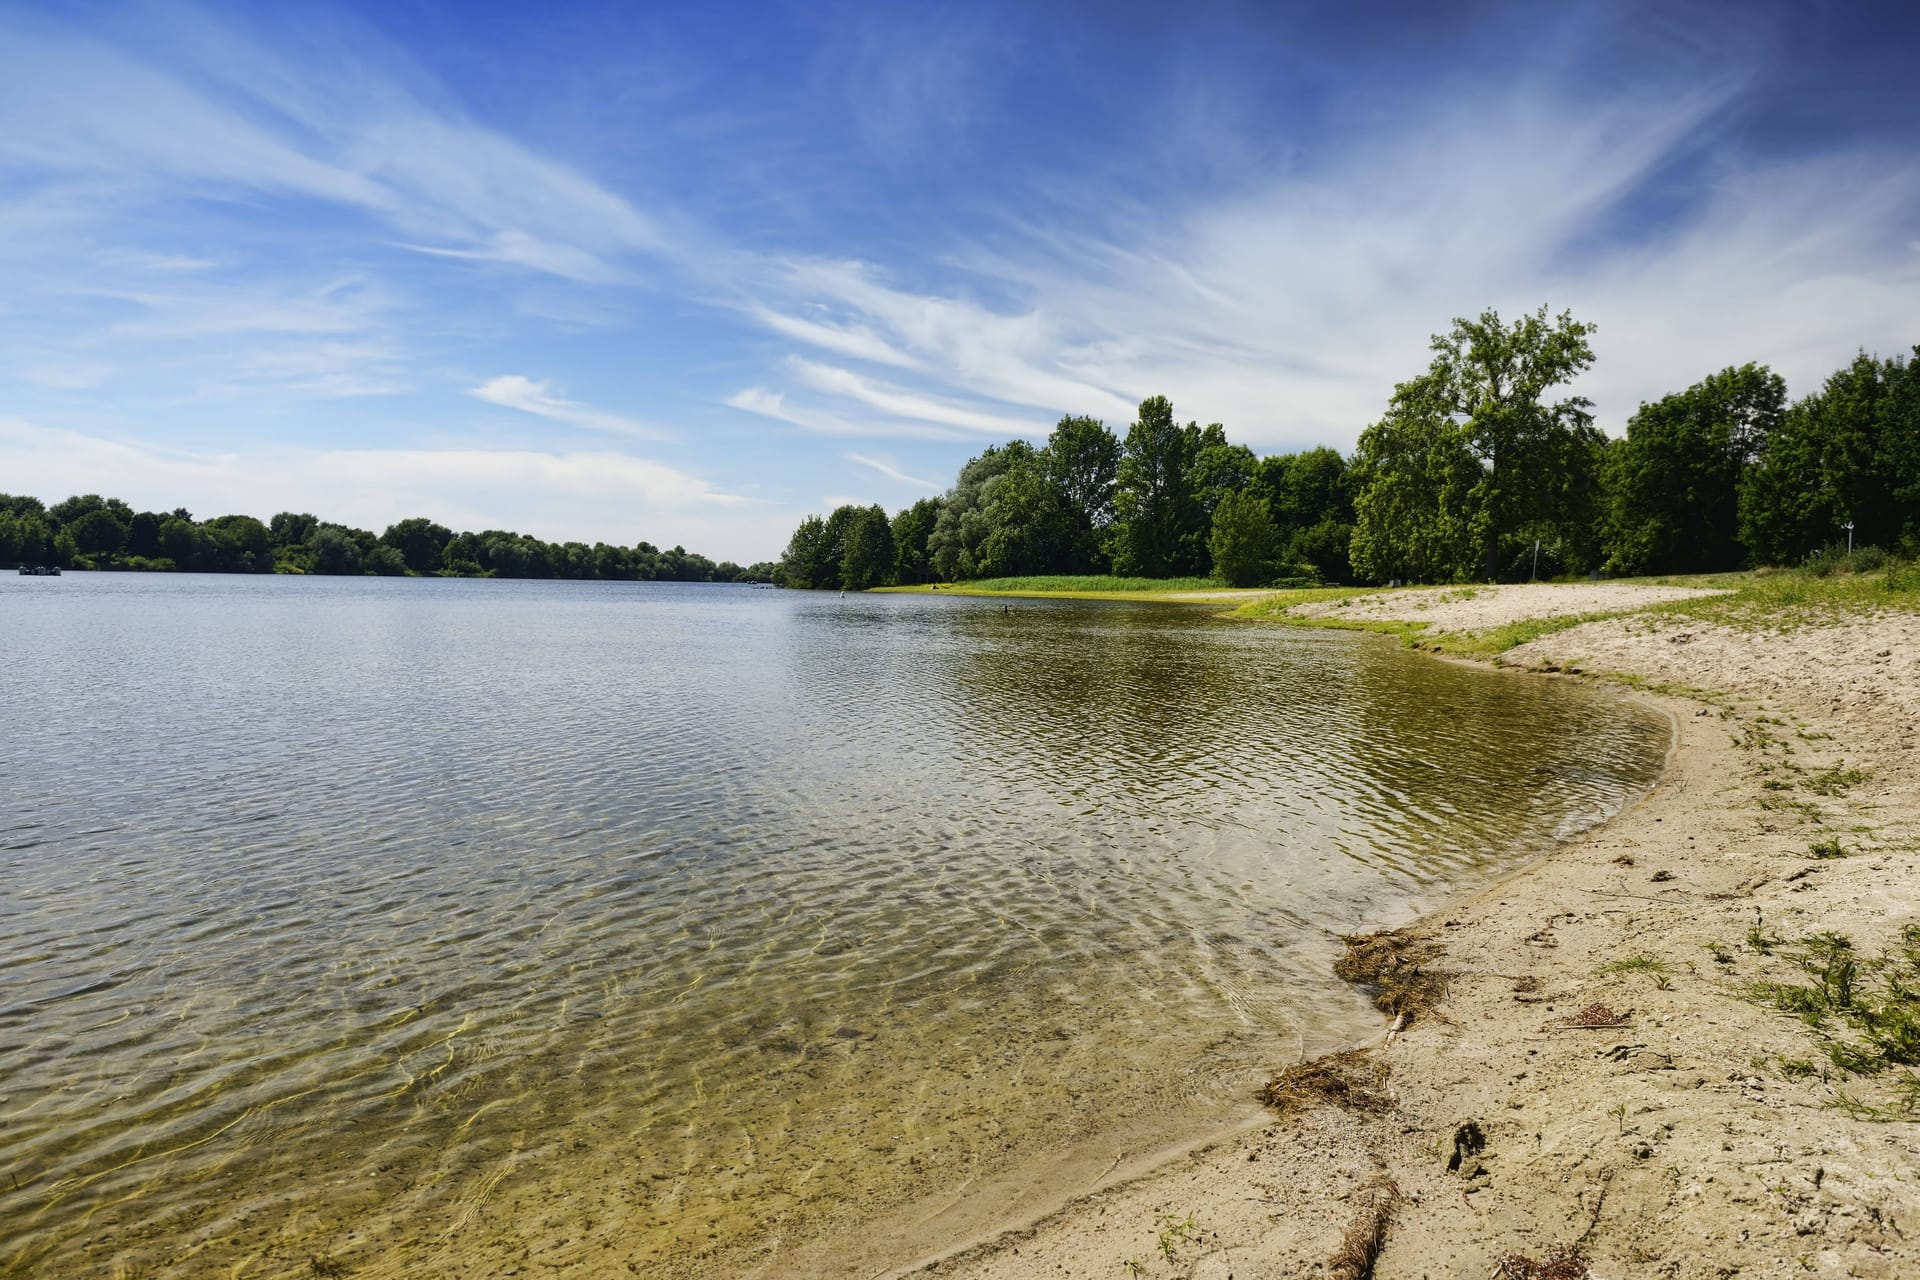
[1473, 473]
[91, 532]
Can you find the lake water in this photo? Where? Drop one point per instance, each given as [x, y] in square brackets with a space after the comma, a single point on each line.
[441, 927]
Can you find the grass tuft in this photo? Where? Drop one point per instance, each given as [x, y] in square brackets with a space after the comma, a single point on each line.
[1865, 1008]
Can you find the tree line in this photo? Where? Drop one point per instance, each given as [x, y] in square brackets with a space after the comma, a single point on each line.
[91, 532]
[1482, 468]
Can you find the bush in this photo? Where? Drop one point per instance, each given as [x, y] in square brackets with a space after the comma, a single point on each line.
[1826, 560]
[1867, 559]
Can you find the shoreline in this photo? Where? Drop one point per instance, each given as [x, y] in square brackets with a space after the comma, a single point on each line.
[1627, 1151]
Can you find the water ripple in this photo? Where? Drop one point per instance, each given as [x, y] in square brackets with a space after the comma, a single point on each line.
[439, 924]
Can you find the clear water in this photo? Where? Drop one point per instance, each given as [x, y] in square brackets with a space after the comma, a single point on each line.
[436, 927]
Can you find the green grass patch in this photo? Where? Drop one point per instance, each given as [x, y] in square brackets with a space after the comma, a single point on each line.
[1865, 1009]
[1095, 583]
[1785, 599]
[1823, 850]
[1836, 781]
[1653, 968]
[1090, 587]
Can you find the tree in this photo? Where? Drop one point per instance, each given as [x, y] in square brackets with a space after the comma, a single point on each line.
[143, 535]
[1306, 488]
[964, 519]
[334, 550]
[1413, 518]
[289, 527]
[1154, 511]
[1483, 391]
[1083, 462]
[68, 513]
[866, 559]
[236, 544]
[1673, 483]
[386, 561]
[180, 541]
[1850, 451]
[1242, 539]
[806, 564]
[24, 536]
[97, 533]
[912, 529]
[420, 542]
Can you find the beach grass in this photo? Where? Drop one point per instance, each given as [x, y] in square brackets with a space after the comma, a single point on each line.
[1096, 587]
[1752, 600]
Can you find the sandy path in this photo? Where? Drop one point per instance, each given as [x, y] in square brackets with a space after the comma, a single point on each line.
[1688, 1142]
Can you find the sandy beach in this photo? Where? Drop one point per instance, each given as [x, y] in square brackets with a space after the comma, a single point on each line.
[1598, 1075]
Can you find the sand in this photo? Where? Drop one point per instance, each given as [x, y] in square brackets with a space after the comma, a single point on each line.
[1701, 1137]
[1479, 608]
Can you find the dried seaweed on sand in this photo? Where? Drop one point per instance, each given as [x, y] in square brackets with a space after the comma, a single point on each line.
[1367, 1234]
[1393, 965]
[1350, 1079]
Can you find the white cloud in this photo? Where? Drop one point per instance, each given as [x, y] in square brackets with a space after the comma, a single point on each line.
[226, 117]
[892, 472]
[588, 495]
[857, 341]
[902, 403]
[512, 391]
[1289, 309]
[775, 405]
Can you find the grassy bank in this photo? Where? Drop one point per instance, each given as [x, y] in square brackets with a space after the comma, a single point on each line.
[1775, 600]
[1107, 587]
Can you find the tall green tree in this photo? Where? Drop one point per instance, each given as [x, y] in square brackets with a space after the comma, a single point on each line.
[1083, 462]
[866, 557]
[1413, 518]
[1485, 391]
[804, 564]
[1673, 483]
[1242, 539]
[912, 528]
[1850, 451]
[965, 517]
[1155, 516]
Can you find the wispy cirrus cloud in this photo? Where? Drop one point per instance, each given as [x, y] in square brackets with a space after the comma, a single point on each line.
[900, 402]
[832, 422]
[529, 395]
[1289, 309]
[892, 472]
[230, 114]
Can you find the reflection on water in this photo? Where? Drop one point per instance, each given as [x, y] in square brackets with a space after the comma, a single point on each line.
[427, 925]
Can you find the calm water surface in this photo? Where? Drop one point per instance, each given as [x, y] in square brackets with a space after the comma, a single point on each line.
[419, 926]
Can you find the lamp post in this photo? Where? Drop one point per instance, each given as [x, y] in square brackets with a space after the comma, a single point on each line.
[1848, 526]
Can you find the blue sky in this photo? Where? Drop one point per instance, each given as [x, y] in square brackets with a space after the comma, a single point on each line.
[685, 273]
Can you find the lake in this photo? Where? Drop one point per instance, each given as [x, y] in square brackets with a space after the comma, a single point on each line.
[408, 927]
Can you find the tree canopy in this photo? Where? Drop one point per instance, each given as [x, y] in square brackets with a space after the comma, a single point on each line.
[87, 531]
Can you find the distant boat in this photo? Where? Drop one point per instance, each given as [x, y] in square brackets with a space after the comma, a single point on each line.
[40, 571]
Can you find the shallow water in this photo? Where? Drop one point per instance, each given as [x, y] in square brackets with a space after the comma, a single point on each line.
[416, 925]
